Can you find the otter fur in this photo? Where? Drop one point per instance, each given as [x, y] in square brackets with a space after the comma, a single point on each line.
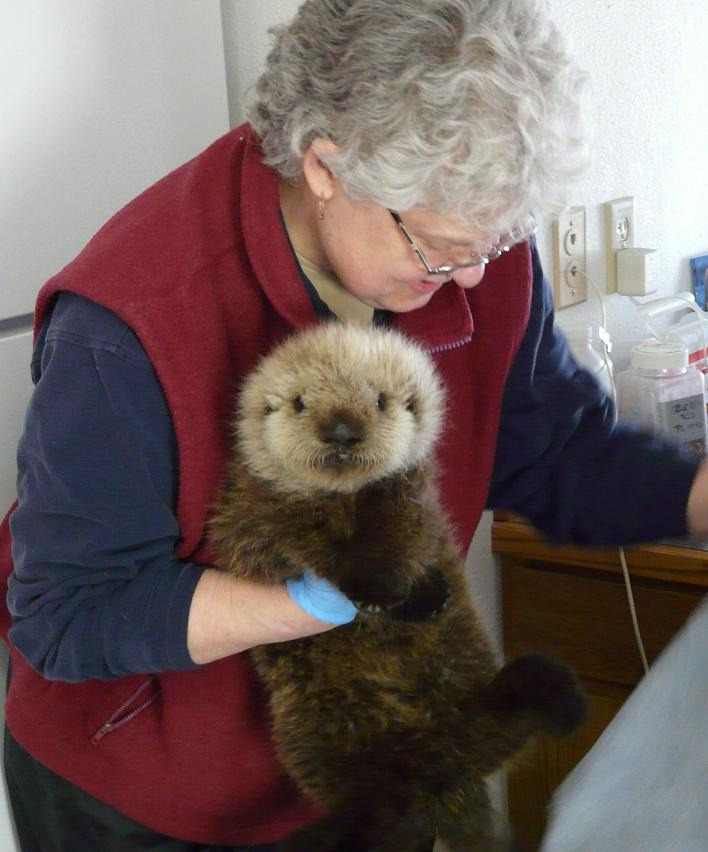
[393, 721]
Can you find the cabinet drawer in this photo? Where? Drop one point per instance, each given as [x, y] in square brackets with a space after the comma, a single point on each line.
[585, 620]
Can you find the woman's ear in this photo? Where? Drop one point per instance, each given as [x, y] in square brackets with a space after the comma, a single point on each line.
[317, 174]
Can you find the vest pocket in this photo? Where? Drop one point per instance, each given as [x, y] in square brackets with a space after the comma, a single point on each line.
[143, 697]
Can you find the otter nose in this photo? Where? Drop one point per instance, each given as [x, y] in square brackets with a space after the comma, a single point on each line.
[342, 434]
[343, 429]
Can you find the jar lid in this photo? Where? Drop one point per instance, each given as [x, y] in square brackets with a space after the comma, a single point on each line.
[659, 355]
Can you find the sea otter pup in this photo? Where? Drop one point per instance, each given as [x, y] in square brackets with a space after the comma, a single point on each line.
[393, 721]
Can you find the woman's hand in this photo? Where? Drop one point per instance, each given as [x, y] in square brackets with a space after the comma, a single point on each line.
[229, 615]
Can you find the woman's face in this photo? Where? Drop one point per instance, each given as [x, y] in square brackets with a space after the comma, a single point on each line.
[371, 257]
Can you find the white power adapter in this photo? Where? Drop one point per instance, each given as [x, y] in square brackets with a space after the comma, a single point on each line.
[636, 271]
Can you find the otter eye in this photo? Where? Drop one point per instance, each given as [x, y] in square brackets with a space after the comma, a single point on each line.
[412, 406]
[381, 402]
[298, 404]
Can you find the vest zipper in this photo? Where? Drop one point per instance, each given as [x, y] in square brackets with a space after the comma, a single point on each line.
[446, 347]
[123, 715]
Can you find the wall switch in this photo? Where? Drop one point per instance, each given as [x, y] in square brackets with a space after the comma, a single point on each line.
[569, 258]
[619, 234]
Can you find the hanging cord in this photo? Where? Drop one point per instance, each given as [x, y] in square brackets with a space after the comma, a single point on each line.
[606, 349]
[633, 610]
[604, 335]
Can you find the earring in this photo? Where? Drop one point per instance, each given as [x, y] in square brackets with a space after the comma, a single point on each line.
[321, 206]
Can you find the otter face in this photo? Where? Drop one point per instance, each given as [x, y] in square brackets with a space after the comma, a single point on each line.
[337, 407]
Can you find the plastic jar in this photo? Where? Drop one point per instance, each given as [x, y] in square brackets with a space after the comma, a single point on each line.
[690, 332]
[661, 393]
[580, 340]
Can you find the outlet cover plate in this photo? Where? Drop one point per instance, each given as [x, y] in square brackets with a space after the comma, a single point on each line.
[570, 285]
[619, 233]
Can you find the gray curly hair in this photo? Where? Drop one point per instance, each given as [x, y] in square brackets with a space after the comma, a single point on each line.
[470, 108]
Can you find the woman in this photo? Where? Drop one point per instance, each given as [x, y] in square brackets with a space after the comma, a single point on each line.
[396, 151]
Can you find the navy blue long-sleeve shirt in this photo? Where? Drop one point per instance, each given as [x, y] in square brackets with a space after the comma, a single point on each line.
[564, 463]
[97, 591]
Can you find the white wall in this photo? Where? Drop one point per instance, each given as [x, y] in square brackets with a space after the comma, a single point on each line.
[246, 43]
[104, 98]
[98, 100]
[649, 65]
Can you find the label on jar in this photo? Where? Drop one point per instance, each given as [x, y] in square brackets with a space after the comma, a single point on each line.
[685, 420]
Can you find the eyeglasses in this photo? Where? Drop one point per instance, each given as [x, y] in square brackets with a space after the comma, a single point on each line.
[506, 241]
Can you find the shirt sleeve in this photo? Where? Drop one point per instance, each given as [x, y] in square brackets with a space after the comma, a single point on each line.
[96, 590]
[564, 463]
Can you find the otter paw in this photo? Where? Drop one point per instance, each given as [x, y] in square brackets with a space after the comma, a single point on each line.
[376, 595]
[430, 596]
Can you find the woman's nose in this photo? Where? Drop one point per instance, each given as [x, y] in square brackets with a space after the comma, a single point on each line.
[469, 276]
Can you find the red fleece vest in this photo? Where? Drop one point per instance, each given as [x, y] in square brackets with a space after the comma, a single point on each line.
[200, 268]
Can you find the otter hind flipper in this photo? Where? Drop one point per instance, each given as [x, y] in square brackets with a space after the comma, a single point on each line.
[543, 690]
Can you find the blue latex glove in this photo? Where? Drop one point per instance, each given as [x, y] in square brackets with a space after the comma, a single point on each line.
[320, 598]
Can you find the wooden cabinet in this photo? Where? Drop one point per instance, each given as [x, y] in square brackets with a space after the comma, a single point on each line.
[572, 602]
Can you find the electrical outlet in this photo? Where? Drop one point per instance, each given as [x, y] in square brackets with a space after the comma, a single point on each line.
[569, 258]
[619, 234]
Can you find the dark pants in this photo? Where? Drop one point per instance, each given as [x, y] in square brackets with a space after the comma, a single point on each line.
[52, 815]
